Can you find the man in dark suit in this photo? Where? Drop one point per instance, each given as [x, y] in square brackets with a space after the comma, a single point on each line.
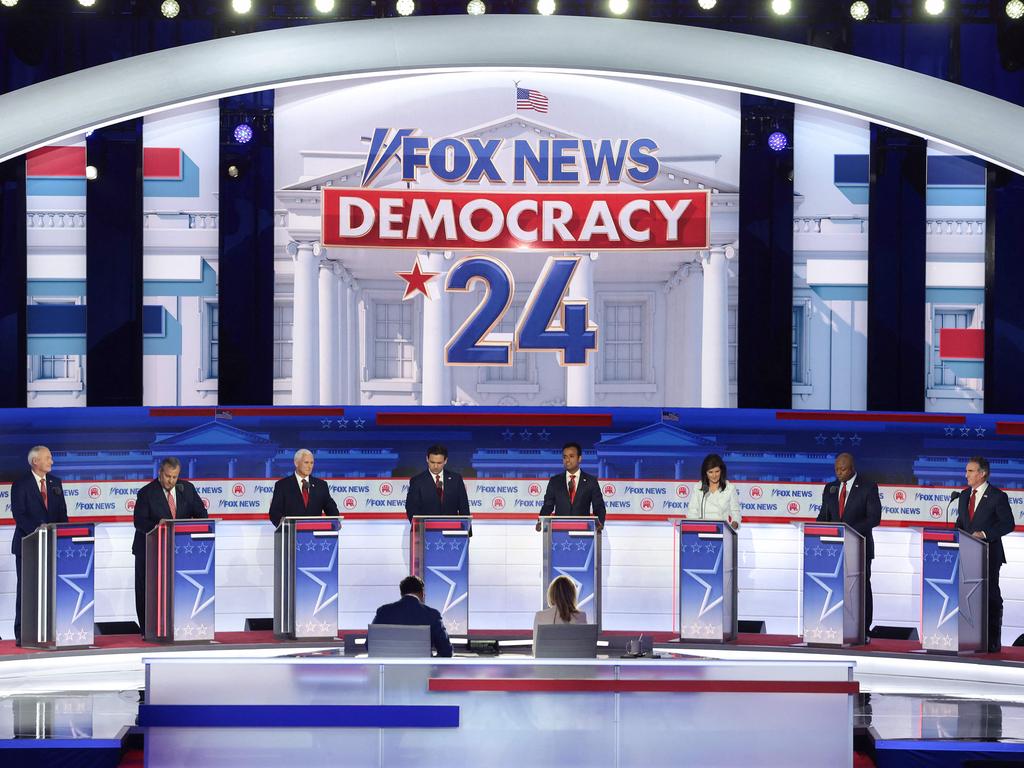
[301, 494]
[853, 500]
[37, 497]
[436, 491]
[573, 492]
[984, 512]
[164, 498]
[412, 611]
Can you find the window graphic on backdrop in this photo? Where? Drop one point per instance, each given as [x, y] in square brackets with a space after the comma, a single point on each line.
[439, 249]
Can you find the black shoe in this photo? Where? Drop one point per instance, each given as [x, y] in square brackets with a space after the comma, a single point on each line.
[995, 648]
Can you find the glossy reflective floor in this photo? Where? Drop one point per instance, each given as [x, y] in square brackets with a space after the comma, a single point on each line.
[72, 716]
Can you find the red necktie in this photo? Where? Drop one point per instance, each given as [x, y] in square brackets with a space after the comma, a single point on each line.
[440, 488]
[42, 491]
[305, 492]
[970, 506]
[842, 501]
[172, 503]
[572, 488]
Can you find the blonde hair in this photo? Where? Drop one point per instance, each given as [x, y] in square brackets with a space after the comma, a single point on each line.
[562, 597]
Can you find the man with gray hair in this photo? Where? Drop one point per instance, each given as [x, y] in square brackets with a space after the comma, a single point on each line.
[37, 498]
[164, 498]
[301, 494]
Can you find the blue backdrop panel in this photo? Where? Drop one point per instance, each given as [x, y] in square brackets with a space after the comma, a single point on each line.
[13, 283]
[246, 232]
[896, 270]
[765, 319]
[113, 258]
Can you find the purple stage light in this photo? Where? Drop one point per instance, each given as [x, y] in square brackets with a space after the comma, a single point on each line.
[243, 133]
[778, 141]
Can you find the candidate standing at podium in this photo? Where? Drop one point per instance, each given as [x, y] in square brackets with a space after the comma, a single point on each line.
[573, 492]
[437, 490]
[37, 498]
[301, 494]
[165, 498]
[714, 497]
[984, 512]
[853, 500]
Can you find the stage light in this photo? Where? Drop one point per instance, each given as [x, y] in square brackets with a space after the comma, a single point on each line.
[707, 5]
[241, 6]
[233, 171]
[323, 6]
[859, 10]
[1014, 9]
[476, 8]
[934, 7]
[170, 8]
[9, 3]
[87, 3]
[243, 133]
[545, 7]
[777, 141]
[618, 7]
[91, 174]
[405, 7]
[782, 7]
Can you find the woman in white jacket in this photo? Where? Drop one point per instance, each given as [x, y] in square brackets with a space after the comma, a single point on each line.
[714, 498]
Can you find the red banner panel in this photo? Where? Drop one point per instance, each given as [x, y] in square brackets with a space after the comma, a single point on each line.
[558, 221]
[962, 343]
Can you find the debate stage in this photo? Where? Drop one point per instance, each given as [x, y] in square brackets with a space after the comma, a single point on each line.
[900, 707]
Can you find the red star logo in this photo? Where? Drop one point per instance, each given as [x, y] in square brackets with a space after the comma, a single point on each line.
[416, 280]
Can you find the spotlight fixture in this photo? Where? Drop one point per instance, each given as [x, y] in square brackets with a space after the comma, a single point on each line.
[707, 5]
[170, 8]
[233, 171]
[545, 7]
[323, 6]
[8, 3]
[1014, 9]
[934, 7]
[777, 141]
[782, 7]
[859, 10]
[405, 7]
[91, 174]
[618, 7]
[241, 6]
[87, 3]
[476, 8]
[243, 133]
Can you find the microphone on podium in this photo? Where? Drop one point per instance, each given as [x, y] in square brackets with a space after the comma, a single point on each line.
[952, 497]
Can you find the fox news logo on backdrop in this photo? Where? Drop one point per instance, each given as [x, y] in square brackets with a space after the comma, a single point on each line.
[498, 220]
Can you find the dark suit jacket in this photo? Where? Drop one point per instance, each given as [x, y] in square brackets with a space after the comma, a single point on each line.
[992, 514]
[287, 500]
[28, 510]
[589, 499]
[151, 507]
[410, 611]
[422, 497]
[863, 510]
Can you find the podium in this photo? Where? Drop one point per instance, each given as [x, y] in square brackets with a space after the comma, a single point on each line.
[833, 586]
[57, 575]
[707, 581]
[181, 584]
[306, 578]
[954, 592]
[439, 554]
[572, 547]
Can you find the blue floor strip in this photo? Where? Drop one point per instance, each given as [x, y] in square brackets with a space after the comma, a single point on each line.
[299, 716]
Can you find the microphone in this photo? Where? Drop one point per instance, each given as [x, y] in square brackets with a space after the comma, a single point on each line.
[952, 497]
[703, 499]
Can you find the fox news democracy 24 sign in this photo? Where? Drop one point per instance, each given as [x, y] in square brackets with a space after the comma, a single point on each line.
[590, 220]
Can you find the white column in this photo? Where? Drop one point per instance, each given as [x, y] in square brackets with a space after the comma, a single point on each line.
[329, 328]
[714, 374]
[579, 379]
[692, 296]
[436, 377]
[305, 328]
[342, 336]
[352, 337]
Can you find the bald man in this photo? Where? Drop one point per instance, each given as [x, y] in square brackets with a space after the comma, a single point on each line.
[853, 500]
[301, 494]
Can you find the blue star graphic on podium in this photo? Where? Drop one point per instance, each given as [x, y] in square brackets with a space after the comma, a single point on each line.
[823, 584]
[575, 562]
[947, 589]
[712, 589]
[75, 591]
[322, 599]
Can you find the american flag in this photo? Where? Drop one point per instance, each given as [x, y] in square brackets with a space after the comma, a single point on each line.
[529, 99]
